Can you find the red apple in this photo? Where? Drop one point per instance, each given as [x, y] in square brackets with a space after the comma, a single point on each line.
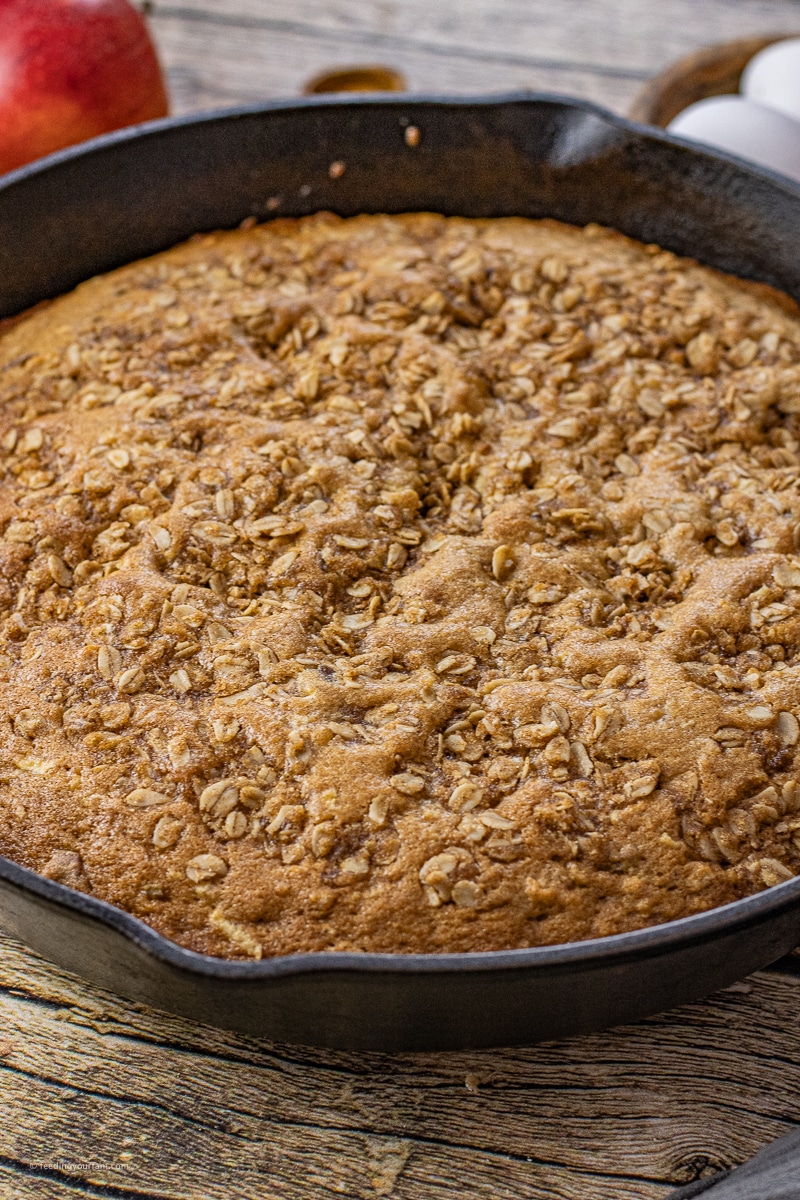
[69, 70]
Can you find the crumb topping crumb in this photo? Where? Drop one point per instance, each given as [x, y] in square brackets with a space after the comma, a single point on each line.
[402, 584]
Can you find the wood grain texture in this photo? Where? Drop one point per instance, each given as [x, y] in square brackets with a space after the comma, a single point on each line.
[104, 1098]
[101, 1093]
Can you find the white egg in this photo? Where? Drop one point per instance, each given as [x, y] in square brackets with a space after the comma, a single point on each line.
[772, 77]
[742, 127]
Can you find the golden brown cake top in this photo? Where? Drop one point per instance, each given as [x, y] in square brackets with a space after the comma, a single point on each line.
[402, 583]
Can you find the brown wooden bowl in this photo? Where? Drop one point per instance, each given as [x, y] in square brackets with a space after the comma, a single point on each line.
[712, 71]
[371, 78]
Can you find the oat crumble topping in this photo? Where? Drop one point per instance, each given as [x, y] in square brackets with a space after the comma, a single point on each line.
[402, 584]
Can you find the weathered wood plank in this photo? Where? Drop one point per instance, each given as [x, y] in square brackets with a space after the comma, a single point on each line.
[614, 35]
[30, 1187]
[85, 1075]
[250, 68]
[258, 48]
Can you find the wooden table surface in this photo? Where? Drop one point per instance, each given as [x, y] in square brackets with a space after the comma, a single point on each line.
[102, 1097]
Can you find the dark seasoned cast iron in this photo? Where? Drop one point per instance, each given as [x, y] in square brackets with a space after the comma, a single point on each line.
[132, 193]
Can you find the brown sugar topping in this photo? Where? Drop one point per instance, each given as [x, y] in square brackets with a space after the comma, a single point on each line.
[402, 584]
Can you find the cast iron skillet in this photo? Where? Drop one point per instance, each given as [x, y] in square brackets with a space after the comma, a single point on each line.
[130, 194]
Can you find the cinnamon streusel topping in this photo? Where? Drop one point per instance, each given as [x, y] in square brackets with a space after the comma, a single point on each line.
[402, 584]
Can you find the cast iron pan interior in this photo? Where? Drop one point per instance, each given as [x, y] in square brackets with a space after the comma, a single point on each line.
[130, 194]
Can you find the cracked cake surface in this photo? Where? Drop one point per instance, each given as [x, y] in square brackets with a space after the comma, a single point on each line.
[402, 584]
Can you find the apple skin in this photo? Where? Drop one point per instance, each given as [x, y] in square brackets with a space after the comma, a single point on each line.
[72, 69]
